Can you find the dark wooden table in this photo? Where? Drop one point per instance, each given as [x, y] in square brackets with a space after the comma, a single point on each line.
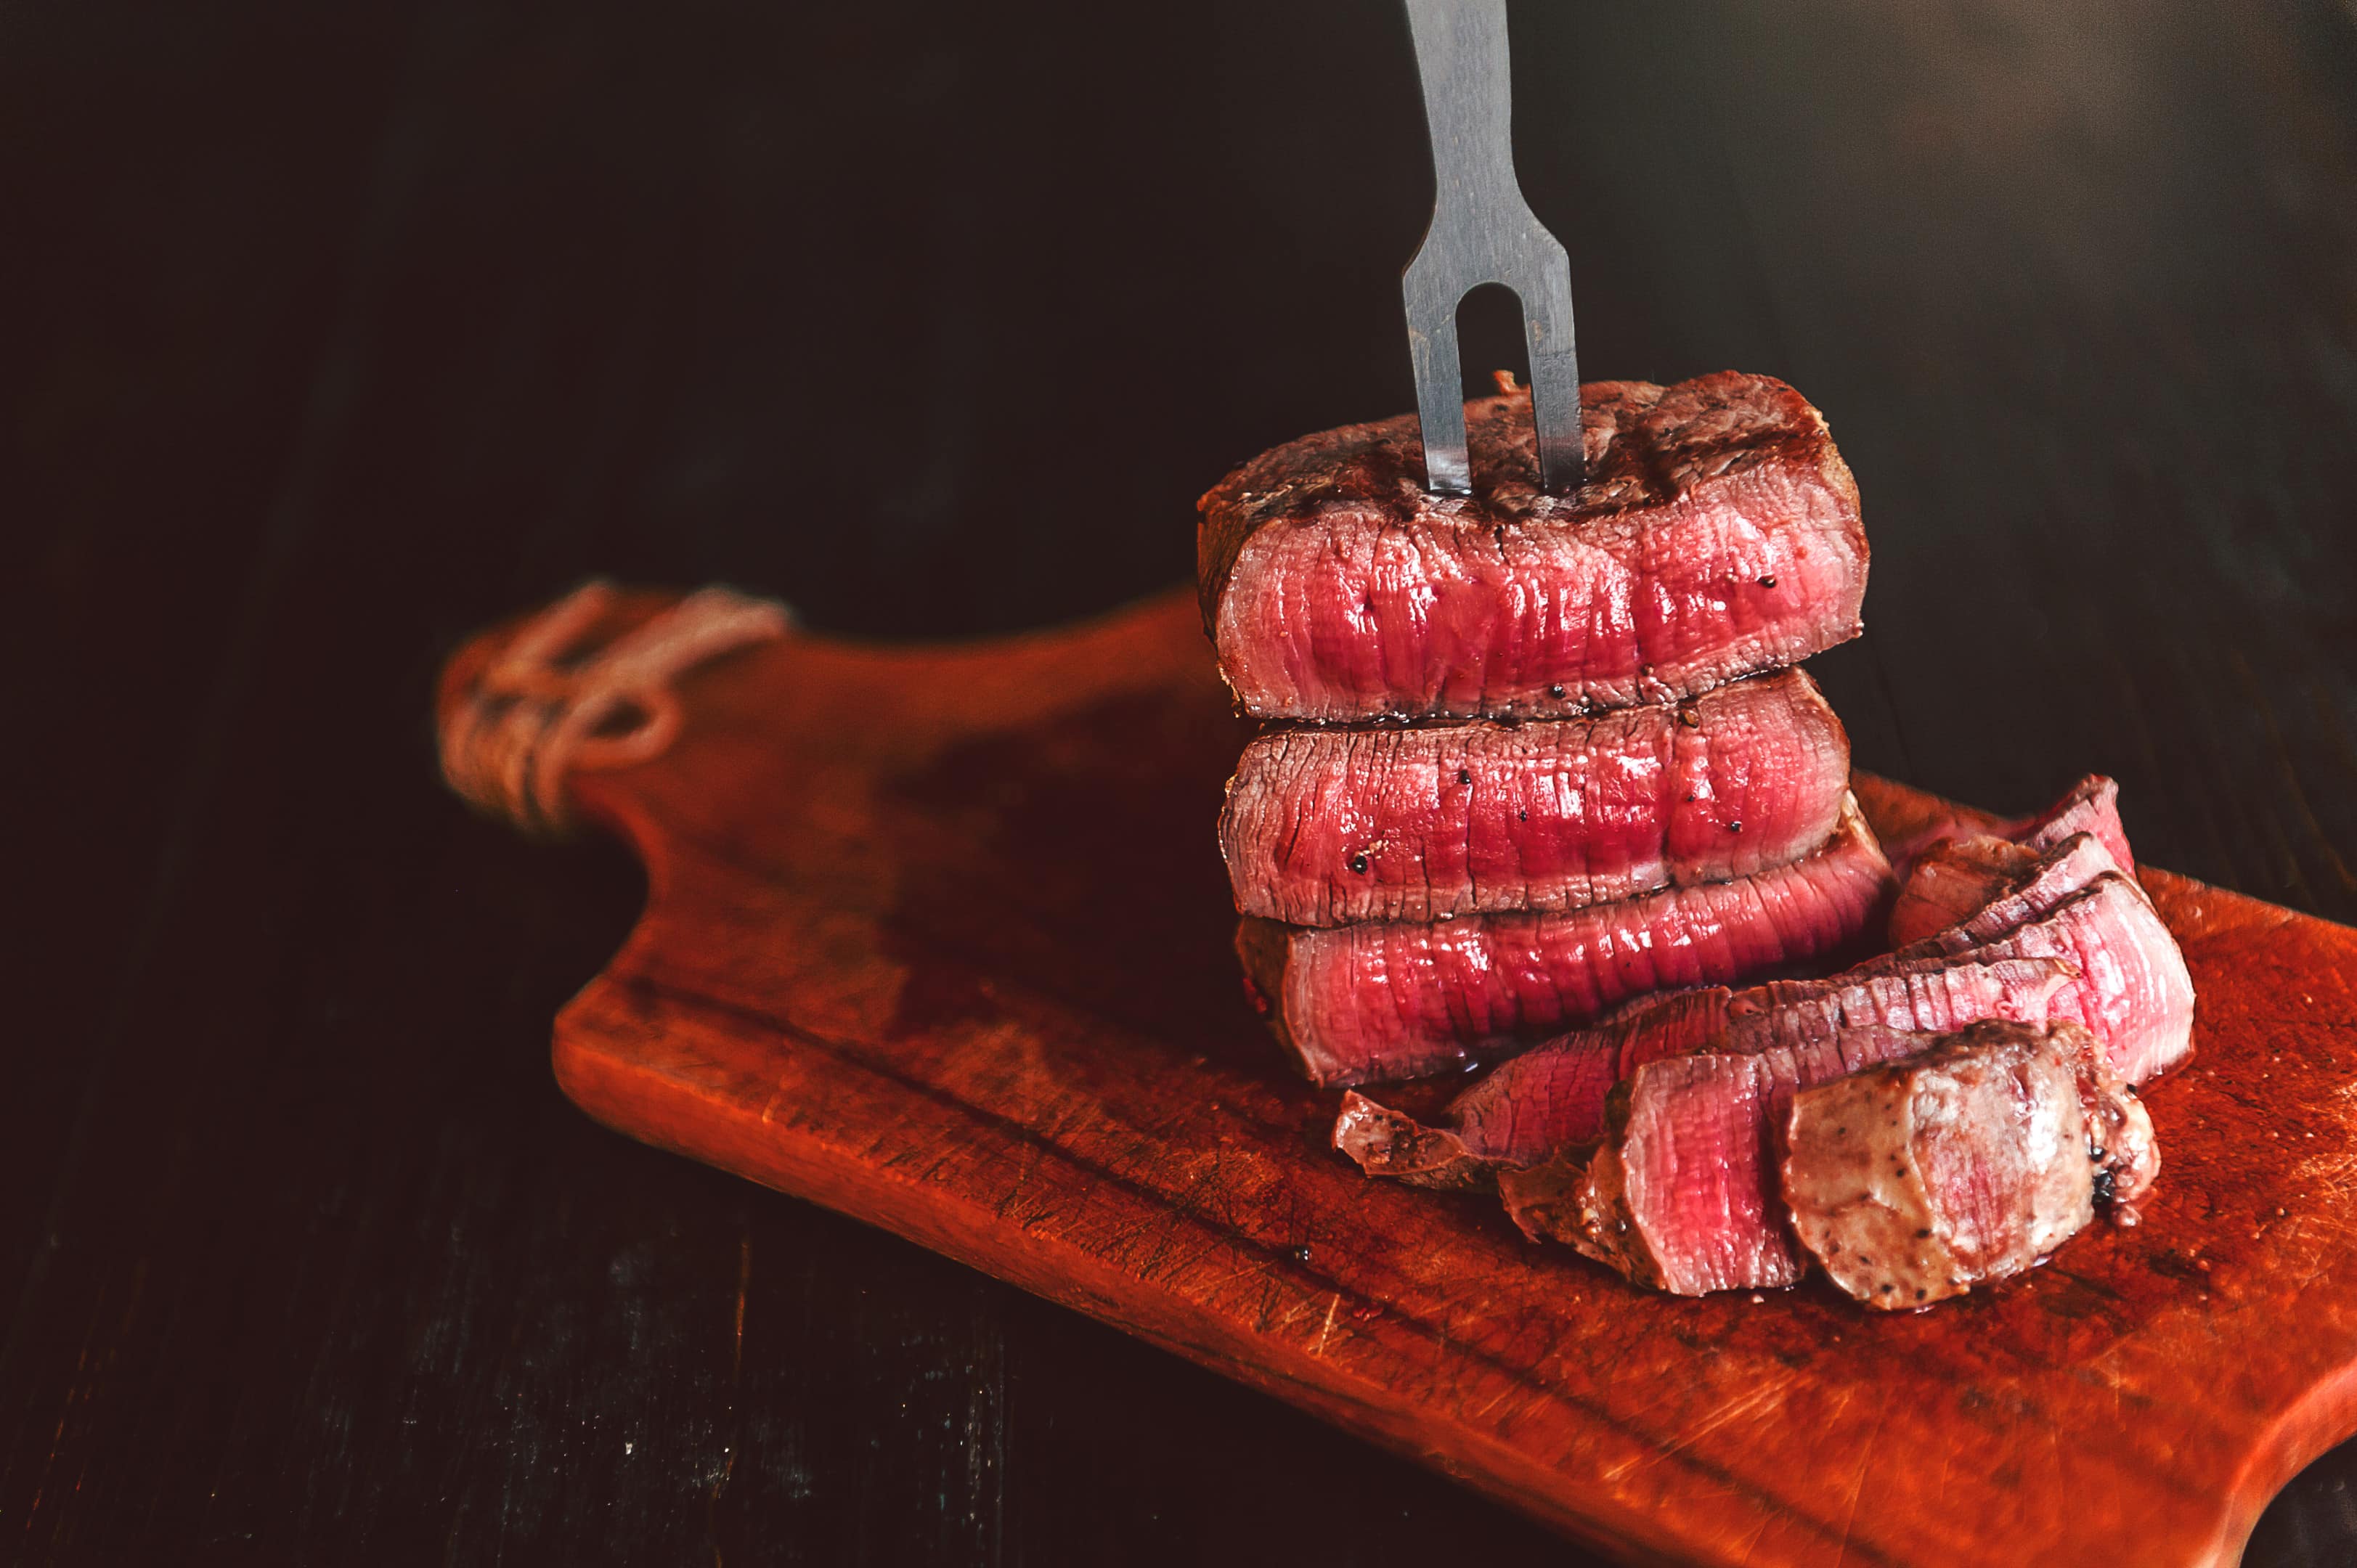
[328, 334]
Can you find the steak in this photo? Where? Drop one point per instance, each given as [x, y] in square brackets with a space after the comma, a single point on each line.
[1652, 1139]
[1360, 1003]
[1554, 1097]
[1716, 535]
[2089, 806]
[1326, 826]
[1954, 880]
[2060, 936]
[1681, 1195]
[2131, 987]
[2010, 894]
[1913, 1181]
[2092, 806]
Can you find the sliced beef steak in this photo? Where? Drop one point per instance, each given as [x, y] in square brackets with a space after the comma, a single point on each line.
[1554, 1097]
[1954, 880]
[1912, 1181]
[1982, 884]
[2131, 987]
[1360, 1003]
[2008, 892]
[2092, 806]
[1654, 1140]
[1683, 1194]
[1718, 536]
[2089, 806]
[2060, 935]
[1387, 1143]
[1327, 826]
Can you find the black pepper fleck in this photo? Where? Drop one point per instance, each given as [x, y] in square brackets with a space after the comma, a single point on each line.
[1556, 691]
[1735, 827]
[1465, 775]
[1301, 1253]
[1766, 582]
[1359, 864]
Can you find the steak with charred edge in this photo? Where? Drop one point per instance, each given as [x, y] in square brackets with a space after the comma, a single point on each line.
[2130, 990]
[1950, 869]
[1554, 1097]
[1324, 826]
[2089, 806]
[1716, 535]
[2132, 987]
[1682, 1194]
[1954, 880]
[2092, 806]
[2066, 909]
[1358, 1003]
[1913, 1181]
[2007, 891]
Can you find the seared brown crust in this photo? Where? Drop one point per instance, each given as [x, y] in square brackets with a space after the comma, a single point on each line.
[1646, 445]
[1649, 447]
[1578, 1196]
[1913, 1181]
[1387, 1144]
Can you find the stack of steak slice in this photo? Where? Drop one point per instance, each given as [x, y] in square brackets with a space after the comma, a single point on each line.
[1539, 768]
[1529, 756]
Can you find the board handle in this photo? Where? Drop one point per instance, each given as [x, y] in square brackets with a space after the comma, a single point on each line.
[585, 685]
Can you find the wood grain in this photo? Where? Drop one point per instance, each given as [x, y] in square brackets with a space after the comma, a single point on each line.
[937, 937]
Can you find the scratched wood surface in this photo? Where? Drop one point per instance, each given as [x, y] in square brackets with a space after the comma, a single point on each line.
[935, 936]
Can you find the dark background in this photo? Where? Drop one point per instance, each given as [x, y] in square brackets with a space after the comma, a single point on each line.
[329, 333]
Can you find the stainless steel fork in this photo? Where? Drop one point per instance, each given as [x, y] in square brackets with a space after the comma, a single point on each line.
[1482, 231]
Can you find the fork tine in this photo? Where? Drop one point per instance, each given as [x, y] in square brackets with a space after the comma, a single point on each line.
[1554, 370]
[1439, 385]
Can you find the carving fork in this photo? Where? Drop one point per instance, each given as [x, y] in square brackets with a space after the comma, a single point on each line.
[1482, 231]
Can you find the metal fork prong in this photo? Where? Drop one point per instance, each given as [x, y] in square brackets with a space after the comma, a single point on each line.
[1555, 372]
[1439, 384]
[1482, 231]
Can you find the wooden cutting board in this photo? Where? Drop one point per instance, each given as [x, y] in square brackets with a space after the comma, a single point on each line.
[938, 936]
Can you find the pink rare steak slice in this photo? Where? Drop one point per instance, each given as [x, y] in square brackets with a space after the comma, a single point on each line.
[1554, 1097]
[1648, 1139]
[1327, 826]
[1717, 536]
[1362, 1004]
